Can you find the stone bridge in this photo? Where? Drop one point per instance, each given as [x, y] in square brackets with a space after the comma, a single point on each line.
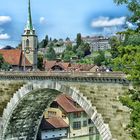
[97, 93]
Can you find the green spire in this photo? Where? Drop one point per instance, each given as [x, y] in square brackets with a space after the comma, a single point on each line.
[29, 21]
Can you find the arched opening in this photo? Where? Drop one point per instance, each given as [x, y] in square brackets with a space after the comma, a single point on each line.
[65, 119]
[27, 43]
[25, 118]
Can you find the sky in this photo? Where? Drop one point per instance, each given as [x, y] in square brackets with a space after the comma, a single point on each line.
[60, 18]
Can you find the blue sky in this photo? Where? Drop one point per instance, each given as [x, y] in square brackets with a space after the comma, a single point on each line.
[60, 18]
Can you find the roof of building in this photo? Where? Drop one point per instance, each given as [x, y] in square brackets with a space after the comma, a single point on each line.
[68, 104]
[11, 56]
[68, 66]
[53, 123]
[86, 67]
[50, 64]
[14, 57]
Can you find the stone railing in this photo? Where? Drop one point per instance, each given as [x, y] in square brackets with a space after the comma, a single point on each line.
[100, 77]
[12, 105]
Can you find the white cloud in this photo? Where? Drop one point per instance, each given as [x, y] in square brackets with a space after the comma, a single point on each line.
[42, 20]
[4, 36]
[4, 19]
[107, 22]
[130, 25]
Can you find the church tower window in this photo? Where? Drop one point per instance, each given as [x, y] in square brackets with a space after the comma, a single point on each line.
[27, 43]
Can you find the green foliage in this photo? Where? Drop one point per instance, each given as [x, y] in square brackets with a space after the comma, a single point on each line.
[87, 60]
[68, 55]
[99, 59]
[1, 60]
[80, 50]
[134, 7]
[44, 42]
[115, 43]
[78, 39]
[128, 61]
[133, 39]
[132, 100]
[50, 55]
[40, 62]
[5, 66]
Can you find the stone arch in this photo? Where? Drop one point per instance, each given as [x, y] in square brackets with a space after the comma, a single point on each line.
[40, 88]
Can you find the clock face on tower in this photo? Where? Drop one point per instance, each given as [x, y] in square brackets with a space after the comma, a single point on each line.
[27, 50]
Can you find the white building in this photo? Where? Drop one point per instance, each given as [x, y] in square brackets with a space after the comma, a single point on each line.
[53, 128]
[97, 43]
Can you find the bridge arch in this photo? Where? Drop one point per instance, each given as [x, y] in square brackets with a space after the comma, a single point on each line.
[41, 94]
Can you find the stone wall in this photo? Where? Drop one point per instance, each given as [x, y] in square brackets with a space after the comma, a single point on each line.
[100, 101]
[7, 89]
[105, 97]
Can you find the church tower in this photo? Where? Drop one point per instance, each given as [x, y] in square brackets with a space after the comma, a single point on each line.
[29, 42]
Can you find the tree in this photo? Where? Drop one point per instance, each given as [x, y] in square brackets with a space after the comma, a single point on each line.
[114, 43]
[5, 66]
[128, 61]
[50, 55]
[1, 60]
[67, 39]
[132, 39]
[134, 7]
[44, 42]
[78, 39]
[40, 61]
[80, 53]
[68, 55]
[99, 59]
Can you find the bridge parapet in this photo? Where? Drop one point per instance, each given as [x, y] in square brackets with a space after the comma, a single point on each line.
[102, 77]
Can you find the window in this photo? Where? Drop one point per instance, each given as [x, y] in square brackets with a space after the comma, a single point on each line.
[77, 125]
[84, 114]
[90, 121]
[77, 115]
[51, 113]
[64, 116]
[91, 130]
[84, 123]
[27, 43]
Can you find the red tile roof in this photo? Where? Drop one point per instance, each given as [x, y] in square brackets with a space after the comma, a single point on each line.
[67, 104]
[50, 64]
[53, 123]
[57, 122]
[86, 67]
[11, 56]
[14, 57]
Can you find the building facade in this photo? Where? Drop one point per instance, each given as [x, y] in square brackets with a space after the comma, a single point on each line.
[79, 124]
[97, 43]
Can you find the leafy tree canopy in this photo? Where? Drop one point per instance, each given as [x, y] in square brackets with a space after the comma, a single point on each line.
[134, 8]
[50, 55]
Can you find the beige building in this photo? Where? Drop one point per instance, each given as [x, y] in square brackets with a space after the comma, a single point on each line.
[66, 108]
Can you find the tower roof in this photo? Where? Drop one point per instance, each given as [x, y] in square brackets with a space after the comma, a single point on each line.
[29, 25]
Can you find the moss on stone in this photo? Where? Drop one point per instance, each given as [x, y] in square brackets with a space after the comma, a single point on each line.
[7, 89]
